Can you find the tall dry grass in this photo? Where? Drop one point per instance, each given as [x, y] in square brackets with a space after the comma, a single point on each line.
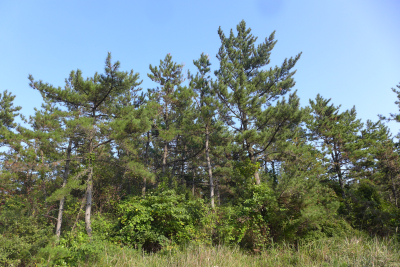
[353, 251]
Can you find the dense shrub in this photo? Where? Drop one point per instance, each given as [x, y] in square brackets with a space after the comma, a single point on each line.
[75, 247]
[160, 219]
[22, 232]
[265, 217]
[365, 209]
[72, 250]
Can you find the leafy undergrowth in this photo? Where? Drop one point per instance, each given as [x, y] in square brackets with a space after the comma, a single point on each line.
[354, 251]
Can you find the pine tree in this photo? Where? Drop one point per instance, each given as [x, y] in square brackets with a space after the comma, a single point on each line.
[382, 162]
[248, 91]
[51, 134]
[8, 138]
[8, 112]
[392, 116]
[206, 106]
[169, 76]
[388, 155]
[132, 138]
[96, 101]
[337, 134]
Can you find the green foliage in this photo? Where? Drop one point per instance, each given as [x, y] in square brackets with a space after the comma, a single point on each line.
[76, 248]
[246, 168]
[159, 219]
[141, 168]
[366, 209]
[394, 117]
[7, 110]
[22, 234]
[249, 223]
[72, 250]
[298, 207]
[252, 96]
[338, 136]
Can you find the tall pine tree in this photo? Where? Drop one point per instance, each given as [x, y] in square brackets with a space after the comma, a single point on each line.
[96, 100]
[249, 92]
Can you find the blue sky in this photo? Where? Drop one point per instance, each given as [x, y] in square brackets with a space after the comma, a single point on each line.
[350, 47]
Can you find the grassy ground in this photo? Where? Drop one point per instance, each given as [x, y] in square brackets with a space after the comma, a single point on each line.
[355, 251]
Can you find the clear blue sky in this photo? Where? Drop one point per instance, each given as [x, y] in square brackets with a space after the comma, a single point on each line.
[350, 47]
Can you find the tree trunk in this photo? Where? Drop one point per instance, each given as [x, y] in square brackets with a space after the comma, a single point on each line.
[144, 186]
[339, 173]
[250, 151]
[88, 209]
[65, 178]
[393, 187]
[164, 162]
[89, 194]
[275, 182]
[218, 192]
[336, 162]
[257, 177]
[194, 174]
[147, 163]
[251, 156]
[209, 169]
[182, 164]
[44, 184]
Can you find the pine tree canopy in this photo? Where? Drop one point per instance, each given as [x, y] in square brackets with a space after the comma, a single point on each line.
[228, 158]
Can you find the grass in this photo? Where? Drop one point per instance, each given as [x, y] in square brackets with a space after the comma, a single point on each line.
[354, 251]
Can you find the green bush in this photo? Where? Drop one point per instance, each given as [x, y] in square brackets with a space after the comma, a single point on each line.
[365, 209]
[248, 224]
[265, 215]
[22, 233]
[72, 251]
[77, 247]
[160, 219]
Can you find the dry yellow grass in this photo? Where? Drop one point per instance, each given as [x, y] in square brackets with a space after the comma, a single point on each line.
[354, 251]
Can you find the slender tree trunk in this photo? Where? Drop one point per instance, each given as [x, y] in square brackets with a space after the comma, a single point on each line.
[164, 162]
[88, 210]
[144, 186]
[194, 174]
[175, 166]
[147, 163]
[65, 178]
[129, 182]
[218, 192]
[257, 177]
[340, 176]
[251, 156]
[89, 194]
[336, 162]
[393, 187]
[250, 151]
[44, 184]
[275, 181]
[209, 169]
[183, 163]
